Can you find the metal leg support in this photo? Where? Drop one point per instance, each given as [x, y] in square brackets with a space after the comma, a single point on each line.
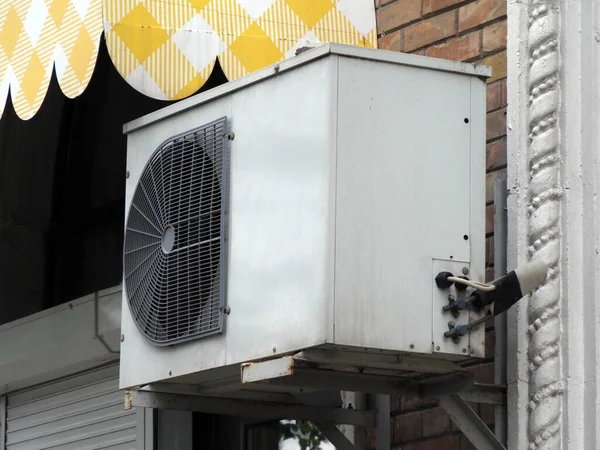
[470, 423]
[335, 436]
[500, 322]
[382, 406]
[247, 408]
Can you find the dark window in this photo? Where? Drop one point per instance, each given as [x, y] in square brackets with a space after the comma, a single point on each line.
[62, 192]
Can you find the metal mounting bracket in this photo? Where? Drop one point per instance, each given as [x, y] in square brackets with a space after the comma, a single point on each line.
[302, 379]
[248, 408]
[470, 423]
[335, 436]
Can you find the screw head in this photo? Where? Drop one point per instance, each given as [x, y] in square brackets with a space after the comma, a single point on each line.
[472, 351]
[127, 174]
[227, 310]
[412, 345]
[465, 271]
[464, 350]
[122, 337]
[170, 373]
[438, 348]
[274, 348]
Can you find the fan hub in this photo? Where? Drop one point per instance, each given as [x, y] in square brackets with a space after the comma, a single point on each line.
[167, 241]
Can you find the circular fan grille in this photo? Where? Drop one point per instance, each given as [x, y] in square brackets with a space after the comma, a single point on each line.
[174, 239]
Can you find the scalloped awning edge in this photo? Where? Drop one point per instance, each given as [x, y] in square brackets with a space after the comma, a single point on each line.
[165, 50]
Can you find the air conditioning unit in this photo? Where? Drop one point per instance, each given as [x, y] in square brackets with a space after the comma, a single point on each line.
[304, 211]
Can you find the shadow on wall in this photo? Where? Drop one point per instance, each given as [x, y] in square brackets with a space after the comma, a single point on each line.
[62, 192]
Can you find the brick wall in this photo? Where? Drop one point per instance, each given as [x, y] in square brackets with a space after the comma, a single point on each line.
[471, 31]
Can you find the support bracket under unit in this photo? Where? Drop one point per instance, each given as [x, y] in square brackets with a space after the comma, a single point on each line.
[243, 397]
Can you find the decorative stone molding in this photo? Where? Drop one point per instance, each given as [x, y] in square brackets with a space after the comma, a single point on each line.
[544, 193]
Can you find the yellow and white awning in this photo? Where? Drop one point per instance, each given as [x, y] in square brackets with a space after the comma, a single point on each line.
[165, 49]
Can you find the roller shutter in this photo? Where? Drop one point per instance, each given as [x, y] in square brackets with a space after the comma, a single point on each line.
[81, 412]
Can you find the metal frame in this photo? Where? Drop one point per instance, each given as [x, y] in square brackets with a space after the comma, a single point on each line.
[247, 408]
[2, 422]
[97, 334]
[500, 322]
[335, 436]
[145, 429]
[382, 433]
[470, 423]
[292, 373]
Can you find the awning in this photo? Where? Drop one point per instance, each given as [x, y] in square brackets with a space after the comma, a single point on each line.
[166, 49]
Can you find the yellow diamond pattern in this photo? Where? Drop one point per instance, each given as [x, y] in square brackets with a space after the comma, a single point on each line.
[141, 33]
[83, 47]
[11, 30]
[158, 64]
[163, 48]
[255, 50]
[55, 28]
[58, 9]
[34, 76]
[199, 4]
[310, 11]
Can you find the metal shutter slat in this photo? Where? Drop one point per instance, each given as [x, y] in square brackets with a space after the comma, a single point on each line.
[64, 385]
[125, 438]
[60, 399]
[82, 412]
[50, 428]
[96, 432]
[65, 411]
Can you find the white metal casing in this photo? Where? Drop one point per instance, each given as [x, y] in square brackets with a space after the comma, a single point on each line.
[355, 176]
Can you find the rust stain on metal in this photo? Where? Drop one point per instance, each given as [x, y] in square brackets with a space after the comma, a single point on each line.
[252, 372]
[128, 400]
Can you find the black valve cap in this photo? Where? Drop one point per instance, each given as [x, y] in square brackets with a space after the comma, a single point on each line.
[441, 280]
[461, 287]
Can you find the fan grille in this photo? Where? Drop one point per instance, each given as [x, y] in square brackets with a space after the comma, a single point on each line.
[175, 238]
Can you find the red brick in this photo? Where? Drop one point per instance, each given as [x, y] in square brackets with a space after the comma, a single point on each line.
[430, 6]
[496, 124]
[494, 37]
[441, 443]
[487, 413]
[397, 14]
[429, 31]
[495, 95]
[457, 49]
[498, 65]
[465, 444]
[479, 13]
[412, 403]
[489, 251]
[390, 41]
[489, 219]
[490, 179]
[496, 154]
[435, 422]
[483, 373]
[407, 427]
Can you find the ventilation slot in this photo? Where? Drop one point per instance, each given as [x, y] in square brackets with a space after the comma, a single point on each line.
[175, 238]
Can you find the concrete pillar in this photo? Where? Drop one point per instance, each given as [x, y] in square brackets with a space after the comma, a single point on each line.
[553, 177]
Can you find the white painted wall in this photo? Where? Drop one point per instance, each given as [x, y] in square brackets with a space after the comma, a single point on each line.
[553, 118]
